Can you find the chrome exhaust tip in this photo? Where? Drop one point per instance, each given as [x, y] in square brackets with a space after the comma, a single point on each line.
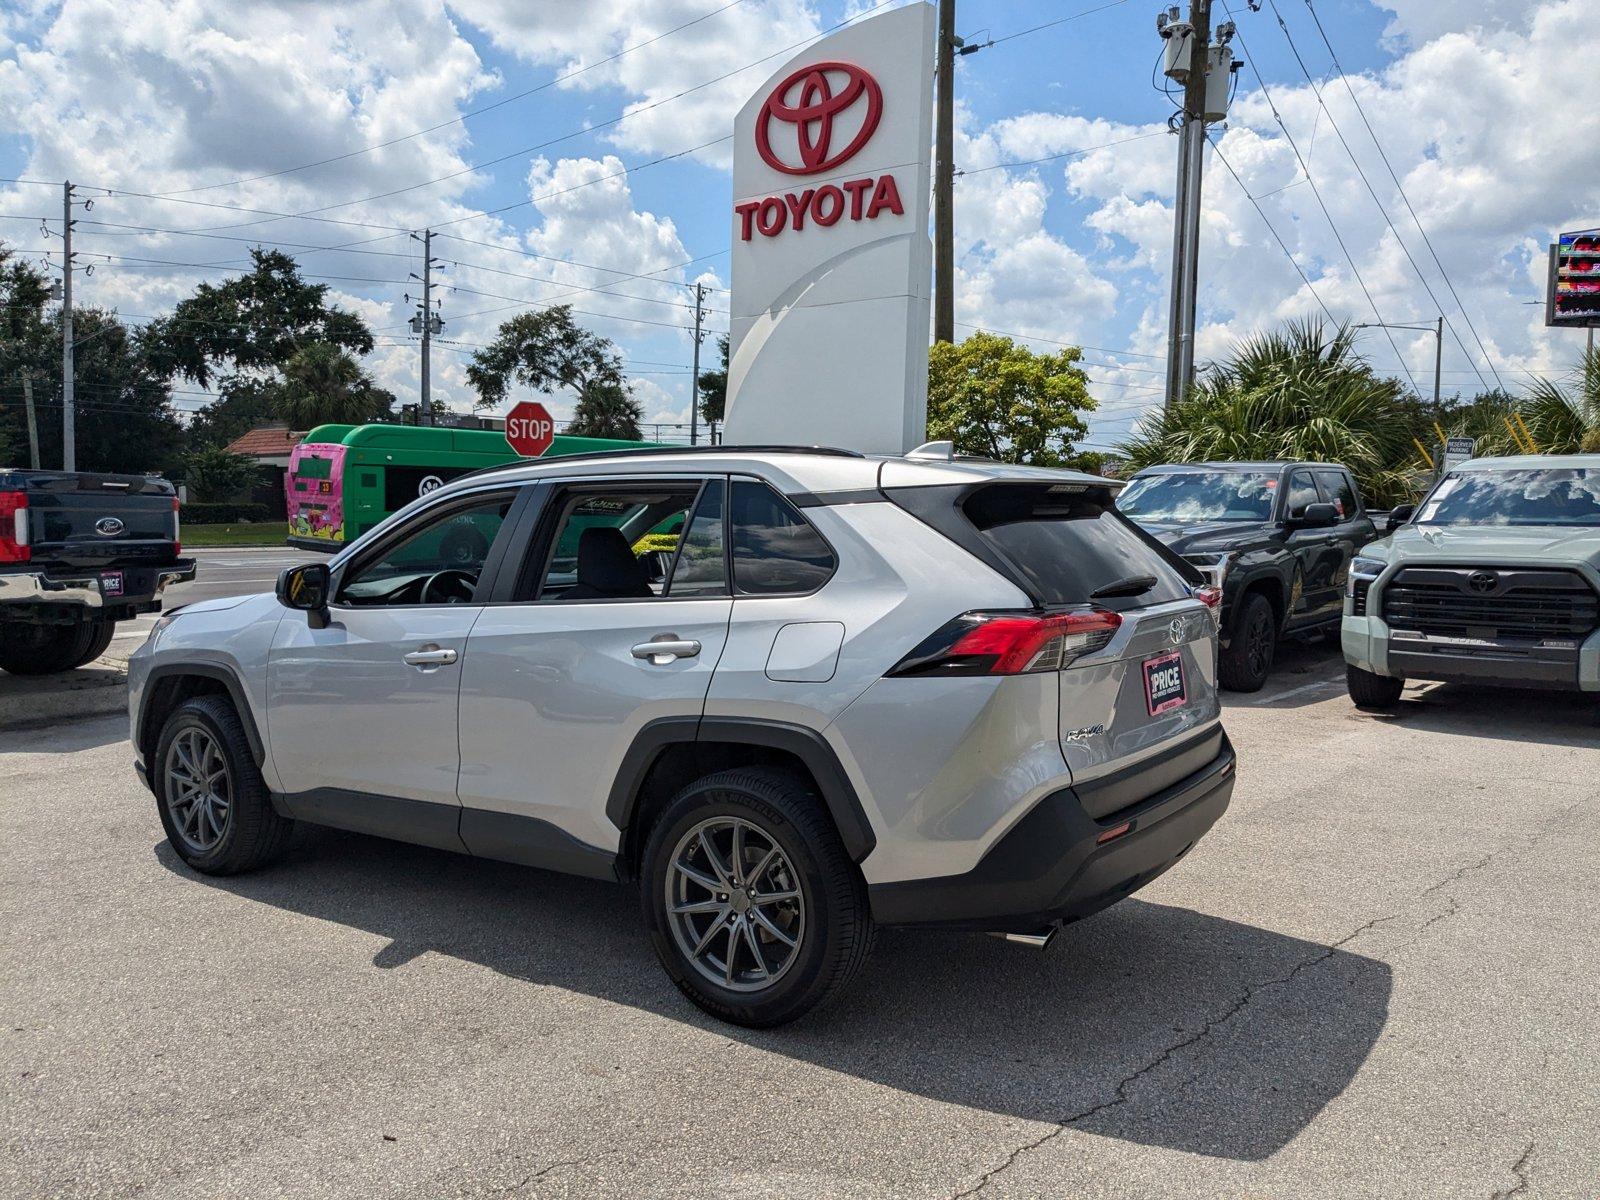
[1038, 940]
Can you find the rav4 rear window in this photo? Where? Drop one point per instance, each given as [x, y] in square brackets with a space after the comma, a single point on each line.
[1069, 546]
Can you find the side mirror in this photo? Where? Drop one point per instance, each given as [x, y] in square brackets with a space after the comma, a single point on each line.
[1316, 516]
[305, 588]
[1398, 516]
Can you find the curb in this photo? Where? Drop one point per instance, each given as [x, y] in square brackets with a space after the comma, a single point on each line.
[95, 690]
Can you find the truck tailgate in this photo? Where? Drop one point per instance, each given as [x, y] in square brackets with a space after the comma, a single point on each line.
[86, 519]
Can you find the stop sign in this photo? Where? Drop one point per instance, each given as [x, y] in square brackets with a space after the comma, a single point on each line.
[530, 428]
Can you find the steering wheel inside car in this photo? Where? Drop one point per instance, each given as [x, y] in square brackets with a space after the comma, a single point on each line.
[451, 586]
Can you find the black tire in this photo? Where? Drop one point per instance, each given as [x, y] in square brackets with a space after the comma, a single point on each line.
[1247, 661]
[253, 833]
[837, 932]
[103, 631]
[27, 649]
[1374, 693]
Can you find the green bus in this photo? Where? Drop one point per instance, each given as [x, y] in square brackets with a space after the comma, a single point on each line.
[344, 479]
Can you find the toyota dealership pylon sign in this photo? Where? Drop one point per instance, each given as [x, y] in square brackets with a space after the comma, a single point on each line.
[832, 264]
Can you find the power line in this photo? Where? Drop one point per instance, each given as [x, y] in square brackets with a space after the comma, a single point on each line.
[1371, 191]
[1029, 162]
[1305, 169]
[1426, 240]
[1051, 341]
[455, 237]
[460, 117]
[1052, 24]
[1261, 212]
[595, 127]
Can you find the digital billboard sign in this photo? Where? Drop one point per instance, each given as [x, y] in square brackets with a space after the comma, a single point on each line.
[1573, 296]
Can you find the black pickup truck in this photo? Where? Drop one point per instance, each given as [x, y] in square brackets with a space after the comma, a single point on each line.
[1276, 537]
[78, 553]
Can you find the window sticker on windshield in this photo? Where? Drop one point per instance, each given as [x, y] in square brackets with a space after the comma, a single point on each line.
[1440, 493]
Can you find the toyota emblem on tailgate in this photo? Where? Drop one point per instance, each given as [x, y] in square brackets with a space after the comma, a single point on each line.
[1483, 582]
[109, 526]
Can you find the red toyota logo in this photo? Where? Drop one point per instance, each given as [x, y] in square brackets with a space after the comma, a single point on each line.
[807, 100]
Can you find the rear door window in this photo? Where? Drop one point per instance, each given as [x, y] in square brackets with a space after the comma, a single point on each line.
[776, 551]
[1341, 493]
[1071, 545]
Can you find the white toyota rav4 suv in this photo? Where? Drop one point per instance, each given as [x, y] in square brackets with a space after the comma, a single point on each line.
[792, 694]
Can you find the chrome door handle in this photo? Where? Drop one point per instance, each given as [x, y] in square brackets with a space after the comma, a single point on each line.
[665, 648]
[430, 656]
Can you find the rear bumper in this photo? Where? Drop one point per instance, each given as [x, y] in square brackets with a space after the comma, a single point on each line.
[83, 587]
[323, 545]
[1052, 865]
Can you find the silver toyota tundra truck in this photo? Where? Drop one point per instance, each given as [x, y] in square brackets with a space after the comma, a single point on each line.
[1494, 578]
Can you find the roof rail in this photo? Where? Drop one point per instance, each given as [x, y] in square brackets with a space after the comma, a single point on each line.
[724, 448]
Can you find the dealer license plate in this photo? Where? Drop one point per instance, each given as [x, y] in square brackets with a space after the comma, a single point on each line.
[1164, 687]
[111, 583]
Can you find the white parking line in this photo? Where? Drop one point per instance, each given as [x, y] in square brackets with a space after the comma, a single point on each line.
[1301, 690]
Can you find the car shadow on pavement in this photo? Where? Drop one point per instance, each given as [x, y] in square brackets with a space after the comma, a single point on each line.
[1508, 714]
[1149, 1023]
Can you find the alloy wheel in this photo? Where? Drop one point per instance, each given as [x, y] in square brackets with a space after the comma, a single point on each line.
[1258, 644]
[199, 789]
[735, 904]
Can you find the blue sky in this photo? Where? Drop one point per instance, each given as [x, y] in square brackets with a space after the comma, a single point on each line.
[144, 97]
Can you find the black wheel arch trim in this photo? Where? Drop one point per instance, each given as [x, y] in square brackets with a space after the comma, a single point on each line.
[809, 746]
[228, 677]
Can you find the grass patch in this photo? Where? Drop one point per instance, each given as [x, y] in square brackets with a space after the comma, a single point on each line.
[265, 533]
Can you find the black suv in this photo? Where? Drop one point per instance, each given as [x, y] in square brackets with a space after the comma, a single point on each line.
[1276, 537]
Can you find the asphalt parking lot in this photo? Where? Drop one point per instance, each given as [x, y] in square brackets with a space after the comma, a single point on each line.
[1377, 977]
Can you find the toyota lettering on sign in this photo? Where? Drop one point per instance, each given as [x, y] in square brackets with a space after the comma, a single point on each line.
[530, 428]
[831, 258]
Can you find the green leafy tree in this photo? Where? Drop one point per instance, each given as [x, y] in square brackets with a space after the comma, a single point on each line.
[323, 385]
[606, 410]
[546, 351]
[213, 474]
[1295, 393]
[123, 417]
[240, 335]
[714, 387]
[994, 398]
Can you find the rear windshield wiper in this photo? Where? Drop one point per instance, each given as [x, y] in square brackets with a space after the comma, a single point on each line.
[1133, 585]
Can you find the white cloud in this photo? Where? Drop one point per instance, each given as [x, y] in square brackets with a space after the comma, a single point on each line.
[579, 35]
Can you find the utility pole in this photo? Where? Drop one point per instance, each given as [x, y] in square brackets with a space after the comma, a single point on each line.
[944, 254]
[69, 437]
[33, 425]
[694, 371]
[1188, 58]
[427, 324]
[1438, 358]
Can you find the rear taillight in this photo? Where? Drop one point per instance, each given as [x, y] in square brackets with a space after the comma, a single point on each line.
[177, 540]
[14, 546]
[1010, 643]
[1210, 596]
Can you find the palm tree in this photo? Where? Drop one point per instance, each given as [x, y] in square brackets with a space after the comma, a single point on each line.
[323, 385]
[606, 410]
[1564, 418]
[1294, 393]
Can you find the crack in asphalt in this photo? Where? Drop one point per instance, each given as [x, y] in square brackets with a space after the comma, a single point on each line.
[541, 1173]
[1521, 1171]
[1122, 1093]
[1123, 1089]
